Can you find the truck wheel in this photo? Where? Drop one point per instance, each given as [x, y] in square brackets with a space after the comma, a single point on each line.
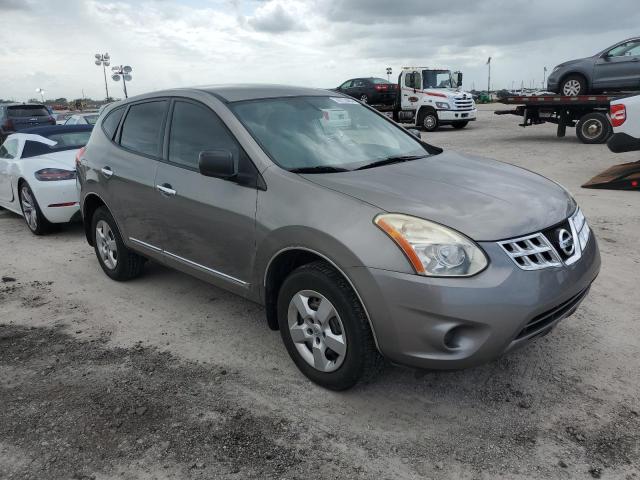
[573, 86]
[459, 125]
[593, 128]
[428, 119]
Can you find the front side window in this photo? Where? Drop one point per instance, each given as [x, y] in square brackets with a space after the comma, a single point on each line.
[9, 149]
[625, 49]
[194, 129]
[142, 127]
[413, 80]
[437, 79]
[324, 132]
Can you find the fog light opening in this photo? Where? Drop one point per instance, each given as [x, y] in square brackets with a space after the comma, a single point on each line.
[452, 338]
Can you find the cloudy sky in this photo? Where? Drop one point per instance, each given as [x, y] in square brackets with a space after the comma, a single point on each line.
[50, 44]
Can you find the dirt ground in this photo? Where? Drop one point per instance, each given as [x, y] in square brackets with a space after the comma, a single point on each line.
[166, 377]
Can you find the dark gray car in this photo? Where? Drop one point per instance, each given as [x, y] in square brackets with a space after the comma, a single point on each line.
[614, 68]
[18, 116]
[362, 242]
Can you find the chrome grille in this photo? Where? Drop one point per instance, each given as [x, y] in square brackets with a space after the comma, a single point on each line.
[540, 250]
[532, 252]
[463, 103]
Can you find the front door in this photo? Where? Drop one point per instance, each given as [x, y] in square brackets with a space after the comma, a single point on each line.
[8, 151]
[209, 222]
[619, 67]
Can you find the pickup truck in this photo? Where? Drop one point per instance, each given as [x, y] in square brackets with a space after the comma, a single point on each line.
[625, 120]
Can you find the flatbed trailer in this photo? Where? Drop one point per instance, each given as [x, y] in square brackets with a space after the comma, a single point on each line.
[589, 114]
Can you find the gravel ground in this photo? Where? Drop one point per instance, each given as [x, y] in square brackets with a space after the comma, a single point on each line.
[168, 377]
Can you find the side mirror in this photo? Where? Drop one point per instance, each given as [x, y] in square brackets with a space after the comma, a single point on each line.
[217, 163]
[415, 132]
[459, 80]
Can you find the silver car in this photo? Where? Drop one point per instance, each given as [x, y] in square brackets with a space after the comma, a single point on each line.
[361, 241]
[614, 68]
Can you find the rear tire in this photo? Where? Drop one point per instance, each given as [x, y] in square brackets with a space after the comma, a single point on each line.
[459, 125]
[318, 285]
[573, 85]
[593, 128]
[117, 261]
[364, 99]
[31, 212]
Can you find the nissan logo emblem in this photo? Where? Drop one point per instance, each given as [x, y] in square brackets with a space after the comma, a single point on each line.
[565, 241]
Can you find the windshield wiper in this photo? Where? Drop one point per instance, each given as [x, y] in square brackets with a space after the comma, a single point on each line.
[389, 160]
[319, 169]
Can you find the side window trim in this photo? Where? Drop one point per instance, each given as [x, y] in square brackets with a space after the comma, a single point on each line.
[159, 154]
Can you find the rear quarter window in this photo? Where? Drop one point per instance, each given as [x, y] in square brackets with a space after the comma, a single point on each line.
[111, 122]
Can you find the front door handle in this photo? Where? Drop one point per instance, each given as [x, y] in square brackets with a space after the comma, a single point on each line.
[107, 172]
[166, 189]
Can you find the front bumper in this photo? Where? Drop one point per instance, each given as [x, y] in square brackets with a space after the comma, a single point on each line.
[450, 323]
[553, 82]
[623, 142]
[451, 116]
[58, 200]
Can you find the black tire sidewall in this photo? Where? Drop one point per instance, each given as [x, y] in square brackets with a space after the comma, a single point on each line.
[459, 125]
[423, 118]
[104, 214]
[352, 367]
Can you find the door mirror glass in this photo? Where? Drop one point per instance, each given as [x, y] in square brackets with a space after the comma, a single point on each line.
[217, 163]
[459, 79]
[415, 132]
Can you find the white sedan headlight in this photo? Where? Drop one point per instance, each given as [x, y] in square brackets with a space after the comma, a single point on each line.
[432, 249]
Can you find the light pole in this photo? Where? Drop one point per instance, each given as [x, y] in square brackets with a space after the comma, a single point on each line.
[104, 60]
[125, 73]
[389, 72]
[489, 78]
[544, 77]
[41, 92]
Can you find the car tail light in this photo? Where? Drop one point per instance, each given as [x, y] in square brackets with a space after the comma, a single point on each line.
[79, 156]
[8, 125]
[381, 86]
[52, 120]
[54, 174]
[618, 114]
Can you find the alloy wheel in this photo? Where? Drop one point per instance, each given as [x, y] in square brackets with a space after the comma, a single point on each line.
[107, 246]
[429, 122]
[571, 88]
[317, 331]
[364, 99]
[29, 208]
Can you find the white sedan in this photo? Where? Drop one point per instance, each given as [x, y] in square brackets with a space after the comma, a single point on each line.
[38, 174]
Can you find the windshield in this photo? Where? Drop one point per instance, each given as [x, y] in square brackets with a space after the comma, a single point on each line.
[324, 133]
[437, 79]
[65, 141]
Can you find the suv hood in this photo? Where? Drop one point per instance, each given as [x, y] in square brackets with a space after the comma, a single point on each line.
[484, 199]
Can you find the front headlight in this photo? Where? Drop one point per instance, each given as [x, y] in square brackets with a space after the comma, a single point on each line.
[444, 105]
[432, 249]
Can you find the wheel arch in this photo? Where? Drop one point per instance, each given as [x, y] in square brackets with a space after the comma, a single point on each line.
[285, 261]
[91, 202]
[579, 73]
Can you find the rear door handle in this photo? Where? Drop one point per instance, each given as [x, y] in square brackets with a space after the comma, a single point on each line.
[107, 172]
[166, 189]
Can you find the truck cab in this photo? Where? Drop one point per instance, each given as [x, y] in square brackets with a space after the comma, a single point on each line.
[430, 97]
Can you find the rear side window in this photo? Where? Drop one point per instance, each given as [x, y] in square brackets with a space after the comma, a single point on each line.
[9, 149]
[110, 124]
[27, 111]
[142, 127]
[194, 129]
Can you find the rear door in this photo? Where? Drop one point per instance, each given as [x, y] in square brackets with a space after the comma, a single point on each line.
[619, 67]
[209, 222]
[127, 174]
[27, 116]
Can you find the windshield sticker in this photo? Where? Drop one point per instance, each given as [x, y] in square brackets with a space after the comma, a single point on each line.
[344, 100]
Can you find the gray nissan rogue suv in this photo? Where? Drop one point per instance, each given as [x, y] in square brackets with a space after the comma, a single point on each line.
[362, 241]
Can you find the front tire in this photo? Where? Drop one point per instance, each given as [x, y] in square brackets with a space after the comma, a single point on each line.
[325, 329]
[364, 99]
[593, 128]
[459, 125]
[116, 260]
[428, 120]
[573, 86]
[31, 212]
